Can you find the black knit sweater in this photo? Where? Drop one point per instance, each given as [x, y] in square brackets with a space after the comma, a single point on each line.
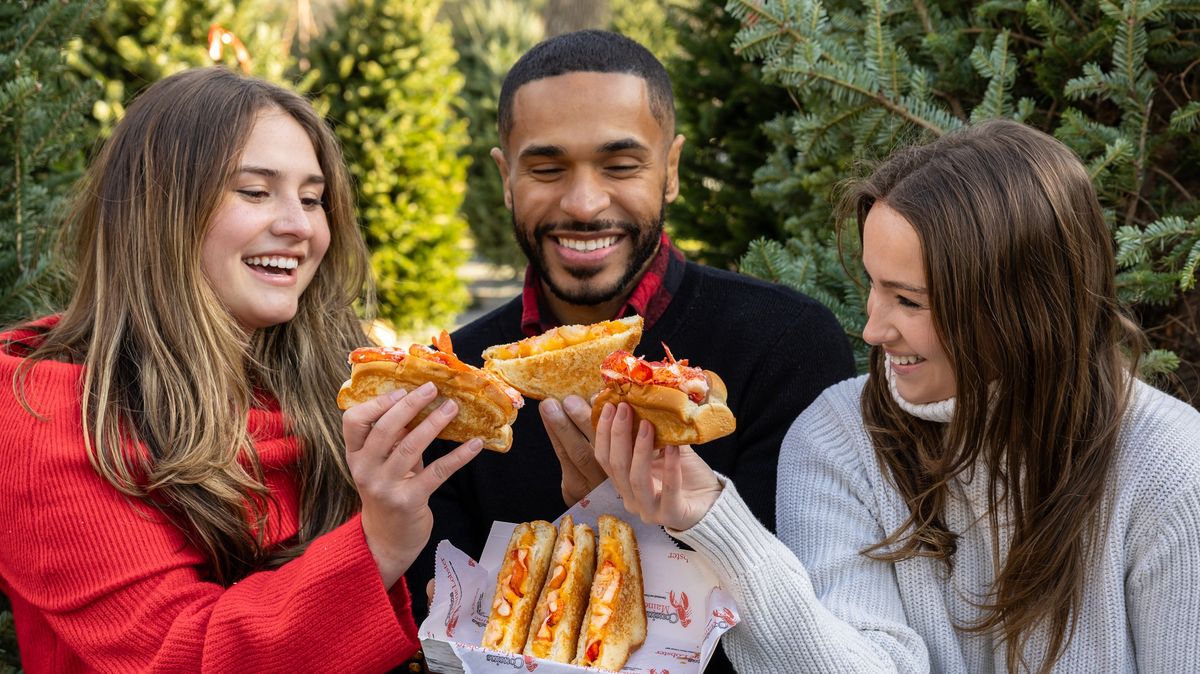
[775, 349]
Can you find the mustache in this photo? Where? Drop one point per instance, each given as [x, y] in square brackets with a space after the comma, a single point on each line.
[553, 228]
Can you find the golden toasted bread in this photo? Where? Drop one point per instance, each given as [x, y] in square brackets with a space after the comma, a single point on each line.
[615, 622]
[554, 630]
[526, 561]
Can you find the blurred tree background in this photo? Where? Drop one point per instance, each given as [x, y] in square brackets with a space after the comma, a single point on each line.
[779, 100]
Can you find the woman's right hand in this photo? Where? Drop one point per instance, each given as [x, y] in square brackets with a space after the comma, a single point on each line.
[674, 487]
[392, 481]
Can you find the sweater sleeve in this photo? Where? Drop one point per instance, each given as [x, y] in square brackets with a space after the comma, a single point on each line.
[113, 585]
[1163, 575]
[810, 602]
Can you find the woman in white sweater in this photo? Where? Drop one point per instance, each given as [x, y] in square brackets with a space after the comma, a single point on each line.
[999, 493]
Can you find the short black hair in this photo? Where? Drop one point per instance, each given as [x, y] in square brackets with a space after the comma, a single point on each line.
[588, 51]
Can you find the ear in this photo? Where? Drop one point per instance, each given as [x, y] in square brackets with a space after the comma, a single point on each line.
[502, 164]
[673, 155]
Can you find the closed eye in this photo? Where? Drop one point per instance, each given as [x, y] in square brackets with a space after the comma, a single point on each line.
[254, 194]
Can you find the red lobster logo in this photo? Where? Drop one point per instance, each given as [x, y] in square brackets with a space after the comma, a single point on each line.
[681, 607]
[530, 663]
[726, 616]
[655, 671]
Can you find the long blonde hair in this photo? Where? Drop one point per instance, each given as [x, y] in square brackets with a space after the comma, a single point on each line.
[169, 376]
[1020, 270]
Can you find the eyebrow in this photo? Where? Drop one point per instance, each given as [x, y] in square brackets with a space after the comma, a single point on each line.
[896, 285]
[622, 145]
[311, 179]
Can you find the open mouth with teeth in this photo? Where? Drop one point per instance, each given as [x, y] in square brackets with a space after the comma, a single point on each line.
[586, 245]
[275, 264]
[905, 360]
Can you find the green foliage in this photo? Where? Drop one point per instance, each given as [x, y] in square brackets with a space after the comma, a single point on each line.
[648, 22]
[721, 107]
[134, 43]
[384, 73]
[1113, 80]
[42, 119]
[489, 35]
[10, 660]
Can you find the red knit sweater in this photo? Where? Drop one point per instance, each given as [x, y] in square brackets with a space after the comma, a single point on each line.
[99, 584]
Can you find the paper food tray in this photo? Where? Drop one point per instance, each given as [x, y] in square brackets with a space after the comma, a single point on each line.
[686, 610]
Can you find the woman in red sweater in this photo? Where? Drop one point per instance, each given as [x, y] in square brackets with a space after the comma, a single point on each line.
[179, 490]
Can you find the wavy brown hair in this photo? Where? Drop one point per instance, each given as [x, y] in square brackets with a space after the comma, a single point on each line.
[1020, 271]
[167, 369]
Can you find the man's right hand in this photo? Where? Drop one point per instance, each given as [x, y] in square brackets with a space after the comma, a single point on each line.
[569, 426]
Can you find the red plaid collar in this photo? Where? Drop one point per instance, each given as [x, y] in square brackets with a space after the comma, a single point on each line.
[649, 299]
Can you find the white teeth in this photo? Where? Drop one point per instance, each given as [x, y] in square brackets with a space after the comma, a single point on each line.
[906, 360]
[586, 245]
[274, 261]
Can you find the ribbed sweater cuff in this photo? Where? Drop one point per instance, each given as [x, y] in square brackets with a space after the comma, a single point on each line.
[730, 535]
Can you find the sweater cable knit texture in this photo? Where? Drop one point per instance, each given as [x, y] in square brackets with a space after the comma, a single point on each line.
[810, 602]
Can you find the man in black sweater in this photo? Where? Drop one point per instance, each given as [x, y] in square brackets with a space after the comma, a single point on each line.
[589, 161]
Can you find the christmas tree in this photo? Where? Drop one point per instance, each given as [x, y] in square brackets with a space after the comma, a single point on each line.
[384, 75]
[1110, 79]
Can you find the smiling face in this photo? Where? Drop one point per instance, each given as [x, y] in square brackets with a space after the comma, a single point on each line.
[587, 173]
[270, 231]
[898, 316]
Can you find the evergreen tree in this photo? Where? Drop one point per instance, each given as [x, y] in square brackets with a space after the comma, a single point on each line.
[384, 74]
[721, 107]
[43, 110]
[489, 35]
[1111, 79]
[649, 23]
[134, 43]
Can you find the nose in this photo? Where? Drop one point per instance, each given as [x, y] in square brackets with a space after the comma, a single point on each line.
[292, 219]
[879, 329]
[585, 198]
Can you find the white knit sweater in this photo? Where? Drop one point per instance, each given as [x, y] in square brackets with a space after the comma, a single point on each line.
[812, 603]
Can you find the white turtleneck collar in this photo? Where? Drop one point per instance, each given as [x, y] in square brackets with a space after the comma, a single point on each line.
[941, 411]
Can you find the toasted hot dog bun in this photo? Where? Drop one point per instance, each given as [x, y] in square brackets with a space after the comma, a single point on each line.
[554, 630]
[526, 561]
[678, 417]
[562, 361]
[615, 622]
[486, 406]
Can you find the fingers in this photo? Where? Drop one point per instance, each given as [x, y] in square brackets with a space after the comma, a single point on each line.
[641, 478]
[671, 500]
[358, 421]
[436, 473]
[603, 444]
[574, 448]
[581, 414]
[620, 453]
[389, 428]
[429, 593]
[406, 456]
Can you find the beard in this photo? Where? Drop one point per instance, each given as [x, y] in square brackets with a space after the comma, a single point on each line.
[644, 237]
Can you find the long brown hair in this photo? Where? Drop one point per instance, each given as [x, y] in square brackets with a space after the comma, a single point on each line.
[1020, 270]
[167, 369]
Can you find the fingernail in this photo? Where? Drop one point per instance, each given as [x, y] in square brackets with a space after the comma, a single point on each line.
[607, 412]
[474, 445]
[396, 395]
[448, 408]
[427, 388]
[622, 412]
[644, 428]
[573, 404]
[552, 407]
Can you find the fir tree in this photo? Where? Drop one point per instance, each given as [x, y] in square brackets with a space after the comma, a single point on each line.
[384, 73]
[490, 35]
[1110, 79]
[722, 105]
[43, 110]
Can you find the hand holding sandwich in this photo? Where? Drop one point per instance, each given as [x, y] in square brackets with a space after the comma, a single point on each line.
[384, 458]
[672, 487]
[569, 427]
